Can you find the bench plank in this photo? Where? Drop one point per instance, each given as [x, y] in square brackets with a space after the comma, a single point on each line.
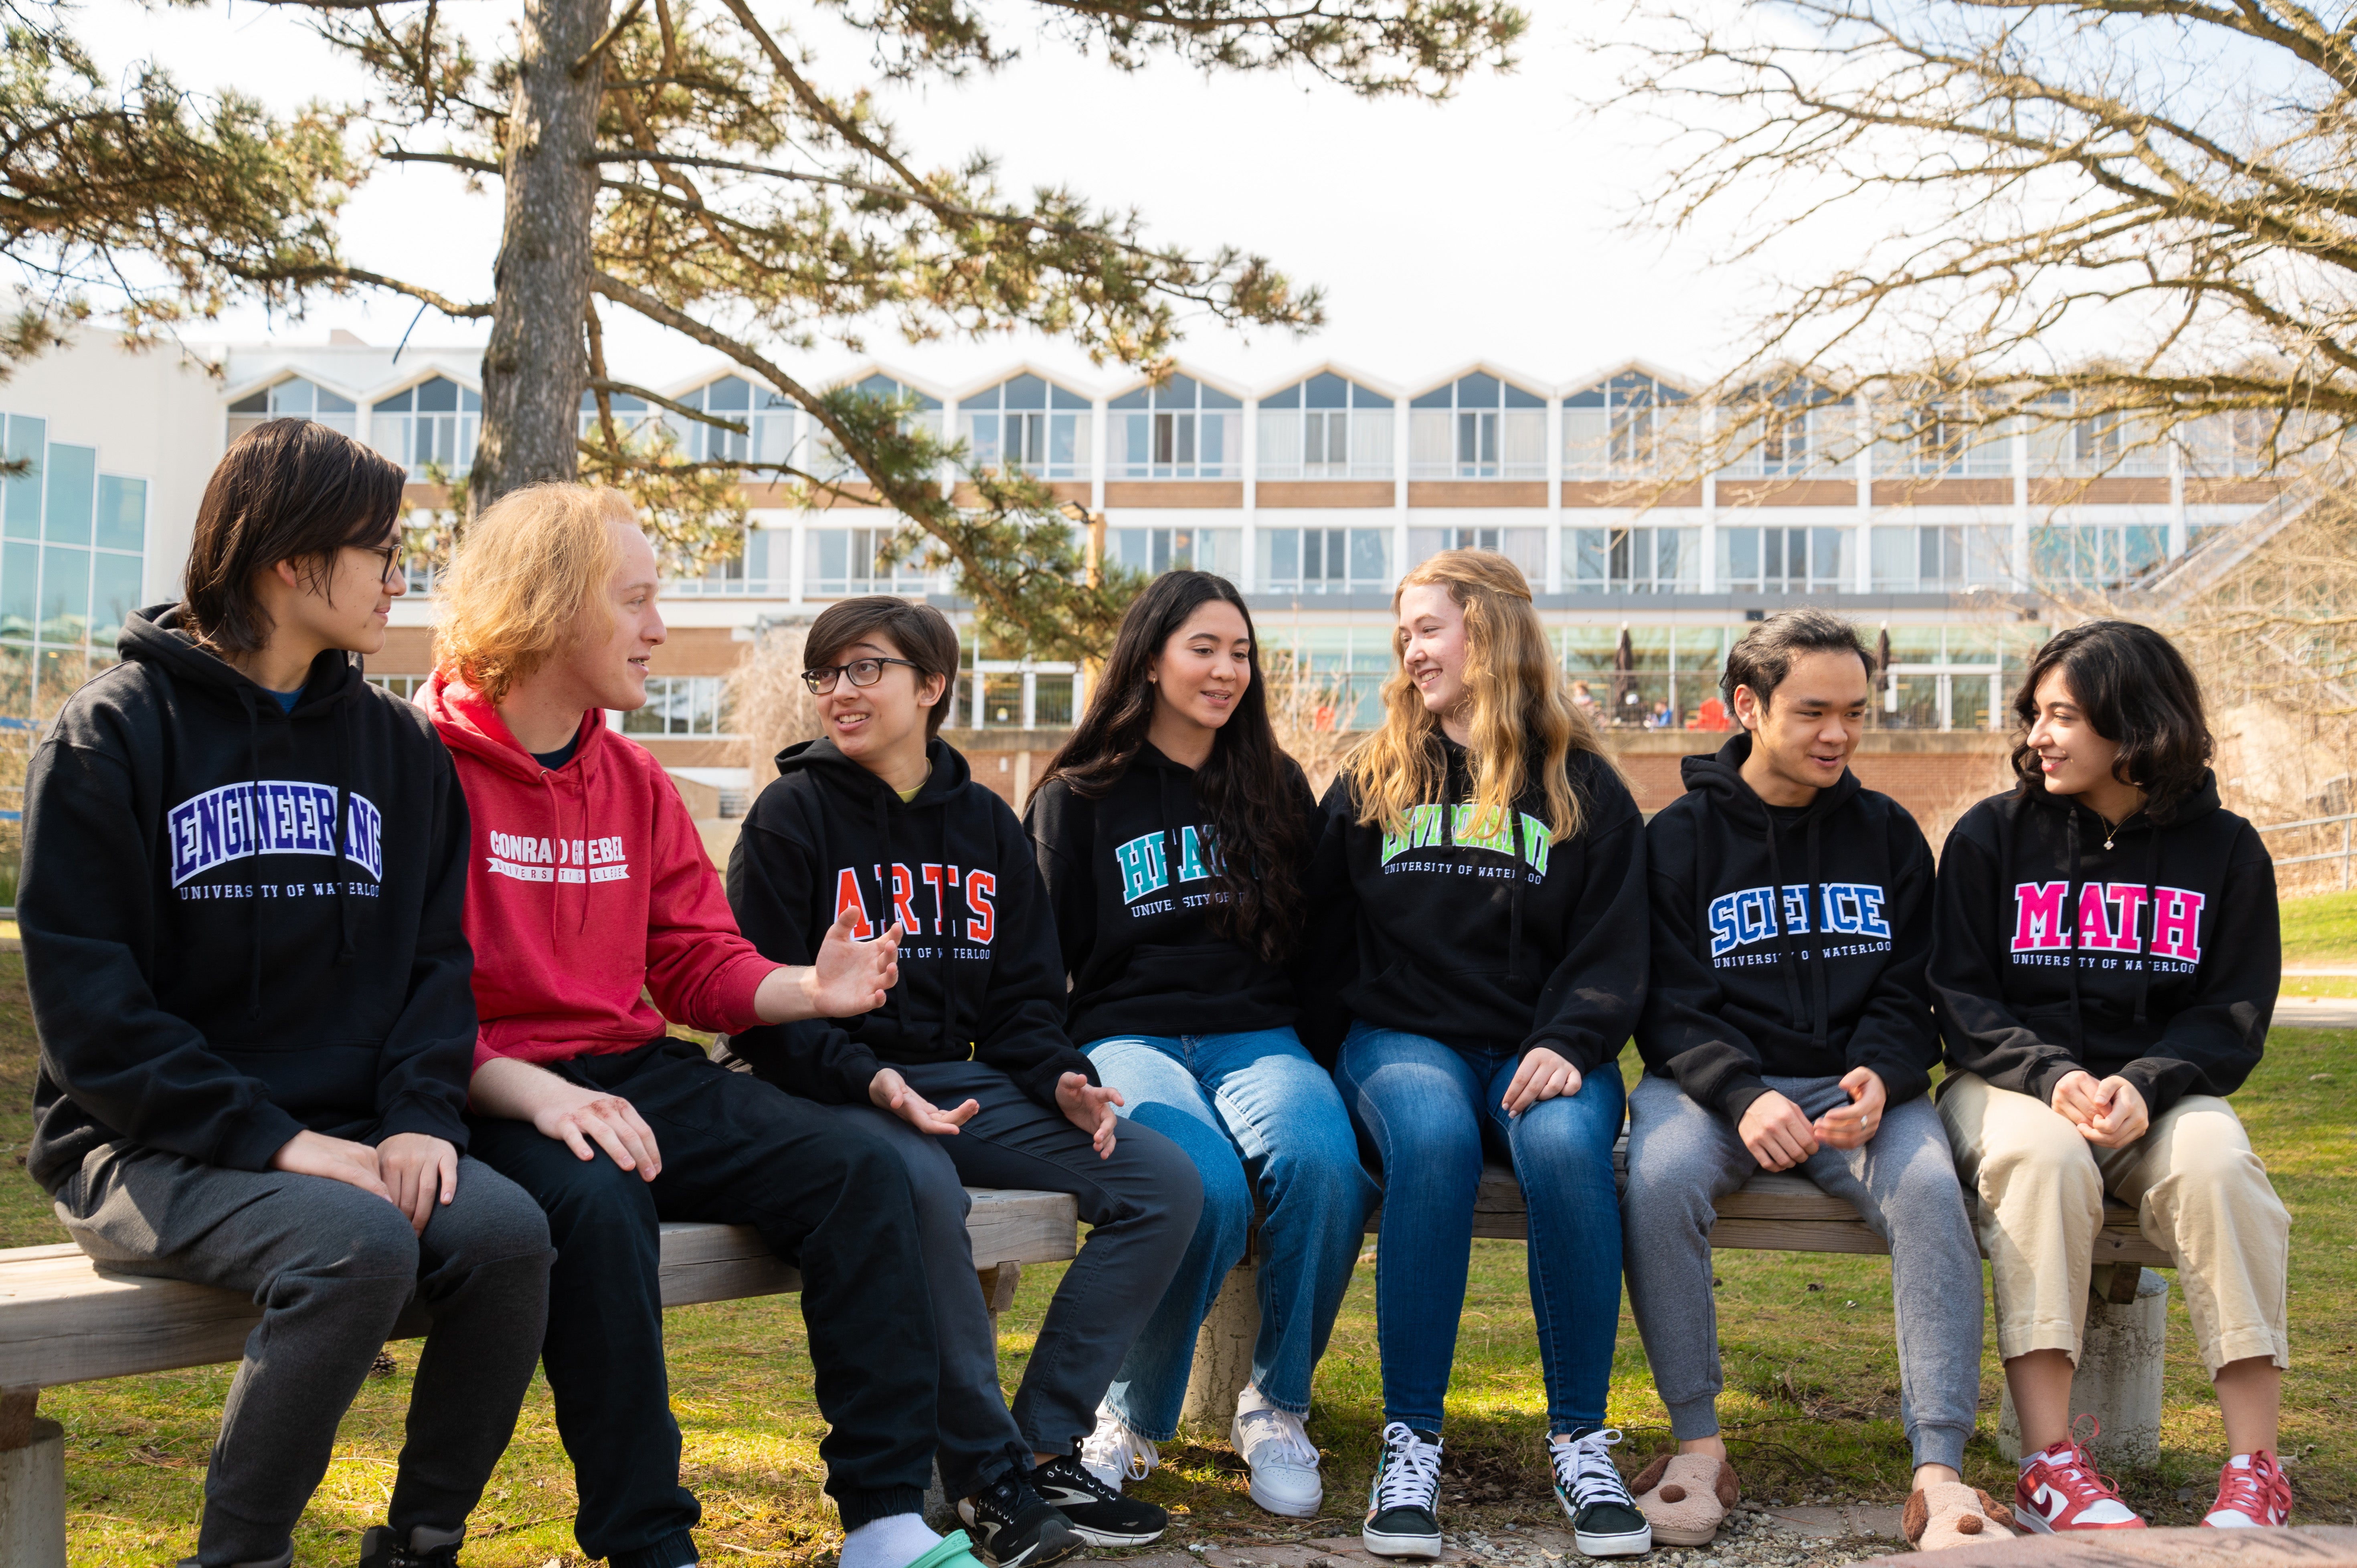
[63, 1320]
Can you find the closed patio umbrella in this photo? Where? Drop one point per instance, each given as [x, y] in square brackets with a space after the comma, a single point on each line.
[1884, 681]
[1624, 667]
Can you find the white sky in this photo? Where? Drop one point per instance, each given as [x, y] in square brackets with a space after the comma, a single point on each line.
[1488, 227]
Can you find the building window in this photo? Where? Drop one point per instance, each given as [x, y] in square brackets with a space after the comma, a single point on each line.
[1946, 558]
[747, 571]
[1326, 429]
[73, 556]
[2238, 445]
[681, 704]
[1624, 428]
[405, 687]
[1324, 560]
[2095, 556]
[1632, 560]
[1155, 551]
[1331, 677]
[767, 416]
[2098, 444]
[1795, 432]
[434, 423]
[1525, 547]
[1942, 441]
[1477, 427]
[859, 561]
[632, 415]
[295, 399]
[1179, 430]
[1029, 424]
[920, 411]
[1783, 560]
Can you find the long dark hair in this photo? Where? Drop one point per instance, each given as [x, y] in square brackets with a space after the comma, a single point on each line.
[2134, 688]
[1247, 788]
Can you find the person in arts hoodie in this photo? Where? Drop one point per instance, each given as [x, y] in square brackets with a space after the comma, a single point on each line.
[243, 877]
[1174, 838]
[1787, 1026]
[589, 893]
[2106, 966]
[879, 820]
[1476, 962]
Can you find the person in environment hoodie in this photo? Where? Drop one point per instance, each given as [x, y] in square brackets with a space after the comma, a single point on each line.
[1787, 1026]
[241, 906]
[1174, 838]
[880, 823]
[2106, 966]
[598, 919]
[1476, 962]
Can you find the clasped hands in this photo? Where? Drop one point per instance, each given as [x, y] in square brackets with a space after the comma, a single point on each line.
[411, 1171]
[2110, 1112]
[1779, 1135]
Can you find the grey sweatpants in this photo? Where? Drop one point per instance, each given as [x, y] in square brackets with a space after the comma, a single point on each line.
[332, 1267]
[1683, 1158]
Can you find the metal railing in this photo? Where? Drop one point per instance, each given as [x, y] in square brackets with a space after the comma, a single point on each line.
[2345, 820]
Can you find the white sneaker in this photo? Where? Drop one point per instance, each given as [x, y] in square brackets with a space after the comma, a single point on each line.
[1283, 1460]
[1113, 1452]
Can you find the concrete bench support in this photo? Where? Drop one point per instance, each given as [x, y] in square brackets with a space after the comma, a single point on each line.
[32, 1483]
[2118, 1377]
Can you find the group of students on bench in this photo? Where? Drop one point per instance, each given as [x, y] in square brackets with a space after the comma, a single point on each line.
[350, 1004]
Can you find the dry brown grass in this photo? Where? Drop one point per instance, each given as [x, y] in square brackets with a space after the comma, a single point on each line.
[772, 709]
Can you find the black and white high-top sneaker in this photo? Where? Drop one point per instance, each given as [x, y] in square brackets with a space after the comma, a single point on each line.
[1015, 1527]
[426, 1548]
[1098, 1514]
[1403, 1503]
[1605, 1521]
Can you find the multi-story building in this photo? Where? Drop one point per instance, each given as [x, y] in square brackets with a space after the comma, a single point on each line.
[1314, 493]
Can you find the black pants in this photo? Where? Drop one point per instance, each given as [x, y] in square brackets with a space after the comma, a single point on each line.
[825, 1193]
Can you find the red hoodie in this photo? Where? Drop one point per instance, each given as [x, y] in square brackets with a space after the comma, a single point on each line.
[587, 887]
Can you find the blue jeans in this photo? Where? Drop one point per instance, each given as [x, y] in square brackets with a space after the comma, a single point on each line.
[1431, 1110]
[1258, 1117]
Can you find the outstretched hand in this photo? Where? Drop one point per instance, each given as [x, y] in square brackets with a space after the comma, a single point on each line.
[1089, 1109]
[889, 1090]
[849, 977]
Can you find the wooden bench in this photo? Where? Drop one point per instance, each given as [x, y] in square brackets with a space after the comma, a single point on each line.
[63, 1319]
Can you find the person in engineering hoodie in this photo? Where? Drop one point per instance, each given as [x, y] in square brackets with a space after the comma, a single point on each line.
[589, 892]
[1478, 928]
[1787, 1026]
[244, 868]
[879, 820]
[2106, 966]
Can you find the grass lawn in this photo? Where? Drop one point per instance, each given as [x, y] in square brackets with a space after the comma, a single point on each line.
[1812, 1402]
[2320, 931]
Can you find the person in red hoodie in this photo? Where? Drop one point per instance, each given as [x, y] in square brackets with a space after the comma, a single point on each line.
[589, 893]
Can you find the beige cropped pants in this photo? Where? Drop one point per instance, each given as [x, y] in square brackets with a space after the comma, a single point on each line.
[2199, 1194]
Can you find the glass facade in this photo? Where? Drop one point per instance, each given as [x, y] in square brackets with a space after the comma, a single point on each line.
[1030, 425]
[1623, 428]
[681, 705]
[1179, 430]
[73, 544]
[1477, 427]
[431, 426]
[1326, 429]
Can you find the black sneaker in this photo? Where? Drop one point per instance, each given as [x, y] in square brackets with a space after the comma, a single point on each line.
[1015, 1527]
[1403, 1503]
[427, 1548]
[1604, 1517]
[1098, 1514]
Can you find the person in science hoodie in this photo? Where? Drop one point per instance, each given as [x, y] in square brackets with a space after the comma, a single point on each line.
[1173, 837]
[596, 919]
[241, 906]
[880, 822]
[1787, 1026]
[2106, 965]
[1478, 917]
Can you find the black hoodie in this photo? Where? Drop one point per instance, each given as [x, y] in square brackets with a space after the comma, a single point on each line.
[208, 978]
[1503, 943]
[1737, 992]
[980, 977]
[2151, 953]
[1137, 941]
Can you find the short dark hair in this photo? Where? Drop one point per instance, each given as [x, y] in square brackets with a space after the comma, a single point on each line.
[287, 489]
[1763, 656]
[2134, 688]
[922, 633]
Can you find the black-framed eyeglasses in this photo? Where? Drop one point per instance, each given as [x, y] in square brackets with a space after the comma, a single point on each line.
[863, 673]
[388, 558]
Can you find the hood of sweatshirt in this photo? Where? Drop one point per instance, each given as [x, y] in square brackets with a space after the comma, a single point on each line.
[1786, 942]
[2149, 949]
[1129, 875]
[271, 879]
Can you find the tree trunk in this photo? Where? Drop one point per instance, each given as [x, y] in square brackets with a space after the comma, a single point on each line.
[533, 371]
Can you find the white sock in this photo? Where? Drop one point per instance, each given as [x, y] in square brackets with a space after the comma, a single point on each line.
[893, 1542]
[2029, 1459]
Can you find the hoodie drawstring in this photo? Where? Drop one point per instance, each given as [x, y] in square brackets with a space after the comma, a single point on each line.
[1784, 962]
[345, 946]
[2071, 918]
[1515, 914]
[252, 821]
[2135, 937]
[1814, 914]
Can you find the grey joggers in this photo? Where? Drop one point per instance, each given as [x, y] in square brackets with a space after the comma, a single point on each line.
[1683, 1158]
[332, 1267]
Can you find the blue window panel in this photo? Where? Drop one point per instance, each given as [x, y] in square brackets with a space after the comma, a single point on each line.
[1138, 399]
[1058, 397]
[1480, 390]
[20, 580]
[28, 444]
[1289, 398]
[114, 594]
[73, 494]
[728, 394]
[1517, 398]
[1326, 389]
[65, 595]
[1214, 397]
[1439, 397]
[1024, 392]
[122, 512]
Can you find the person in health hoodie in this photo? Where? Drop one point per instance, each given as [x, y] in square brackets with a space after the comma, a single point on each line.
[1173, 837]
[1787, 1026]
[241, 906]
[2106, 966]
[589, 894]
[1478, 916]
[878, 822]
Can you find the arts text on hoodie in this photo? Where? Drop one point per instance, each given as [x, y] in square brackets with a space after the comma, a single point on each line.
[961, 899]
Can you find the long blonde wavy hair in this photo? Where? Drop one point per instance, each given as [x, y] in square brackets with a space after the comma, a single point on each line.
[522, 573]
[1522, 714]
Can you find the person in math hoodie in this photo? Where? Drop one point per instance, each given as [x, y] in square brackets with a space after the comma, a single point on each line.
[2104, 966]
[241, 906]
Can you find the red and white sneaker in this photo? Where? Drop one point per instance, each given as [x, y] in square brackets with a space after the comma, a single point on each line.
[2062, 1490]
[2252, 1494]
